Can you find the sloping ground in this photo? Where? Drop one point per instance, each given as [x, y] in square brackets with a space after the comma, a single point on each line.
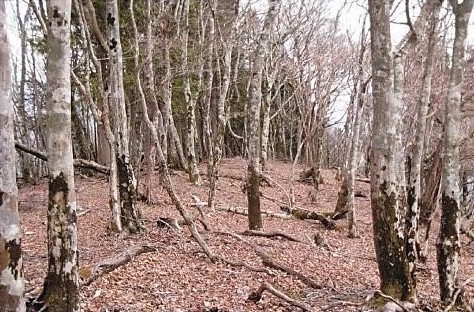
[178, 276]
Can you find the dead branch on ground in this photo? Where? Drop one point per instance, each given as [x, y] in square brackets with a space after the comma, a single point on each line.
[244, 212]
[269, 262]
[271, 234]
[256, 296]
[108, 265]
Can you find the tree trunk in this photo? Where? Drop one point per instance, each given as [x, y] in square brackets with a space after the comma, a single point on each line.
[152, 107]
[12, 284]
[414, 188]
[253, 169]
[449, 240]
[130, 215]
[61, 286]
[386, 159]
[218, 142]
[190, 99]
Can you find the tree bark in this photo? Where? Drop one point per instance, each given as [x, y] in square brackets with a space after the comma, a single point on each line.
[386, 159]
[61, 286]
[130, 215]
[12, 284]
[253, 168]
[449, 241]
[218, 142]
[414, 188]
[190, 98]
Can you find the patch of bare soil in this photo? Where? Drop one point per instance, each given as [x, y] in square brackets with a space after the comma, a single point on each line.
[178, 277]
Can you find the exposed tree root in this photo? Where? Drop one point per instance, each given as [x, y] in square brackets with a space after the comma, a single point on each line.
[457, 293]
[256, 296]
[89, 275]
[271, 234]
[269, 262]
[304, 214]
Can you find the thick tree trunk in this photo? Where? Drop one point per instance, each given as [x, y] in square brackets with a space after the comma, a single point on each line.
[449, 241]
[253, 168]
[12, 284]
[61, 286]
[386, 159]
[130, 215]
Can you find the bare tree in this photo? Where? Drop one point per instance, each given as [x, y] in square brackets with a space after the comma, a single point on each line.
[386, 161]
[253, 168]
[61, 286]
[11, 282]
[449, 241]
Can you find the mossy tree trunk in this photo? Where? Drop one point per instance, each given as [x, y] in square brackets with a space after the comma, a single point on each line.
[386, 159]
[12, 284]
[449, 240]
[61, 286]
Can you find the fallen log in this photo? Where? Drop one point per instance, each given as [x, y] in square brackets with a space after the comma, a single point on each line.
[89, 275]
[80, 163]
[304, 214]
[256, 296]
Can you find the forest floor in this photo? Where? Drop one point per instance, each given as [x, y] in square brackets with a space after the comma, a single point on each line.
[177, 276]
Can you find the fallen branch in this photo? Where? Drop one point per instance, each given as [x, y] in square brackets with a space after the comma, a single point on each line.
[304, 214]
[108, 265]
[243, 264]
[244, 212]
[256, 296]
[365, 180]
[269, 262]
[81, 163]
[271, 234]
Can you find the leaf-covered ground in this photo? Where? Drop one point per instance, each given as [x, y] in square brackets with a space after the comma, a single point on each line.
[178, 276]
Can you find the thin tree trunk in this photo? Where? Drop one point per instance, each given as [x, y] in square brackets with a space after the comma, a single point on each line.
[152, 107]
[414, 188]
[12, 284]
[218, 142]
[449, 240]
[190, 99]
[253, 168]
[61, 286]
[130, 215]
